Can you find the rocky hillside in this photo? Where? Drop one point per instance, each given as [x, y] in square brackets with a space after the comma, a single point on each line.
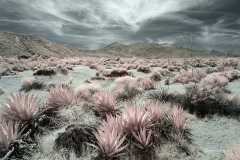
[13, 44]
[147, 50]
[160, 50]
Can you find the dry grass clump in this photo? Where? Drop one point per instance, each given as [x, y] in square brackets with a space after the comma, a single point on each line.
[126, 88]
[86, 91]
[146, 83]
[188, 76]
[116, 72]
[161, 94]
[29, 83]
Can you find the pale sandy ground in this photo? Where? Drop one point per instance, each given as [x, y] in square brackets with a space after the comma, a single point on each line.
[210, 135]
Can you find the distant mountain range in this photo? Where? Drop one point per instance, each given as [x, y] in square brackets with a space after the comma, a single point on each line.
[13, 44]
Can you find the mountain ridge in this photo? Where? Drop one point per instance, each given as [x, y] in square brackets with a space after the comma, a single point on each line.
[15, 44]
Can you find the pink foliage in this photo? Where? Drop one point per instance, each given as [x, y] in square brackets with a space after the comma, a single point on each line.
[28, 81]
[156, 75]
[20, 106]
[216, 79]
[143, 138]
[8, 132]
[155, 109]
[134, 118]
[112, 123]
[146, 83]
[232, 152]
[104, 101]
[120, 83]
[179, 117]
[60, 95]
[86, 91]
[109, 140]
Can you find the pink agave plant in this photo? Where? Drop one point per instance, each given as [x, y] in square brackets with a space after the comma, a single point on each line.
[155, 109]
[179, 117]
[104, 101]
[60, 95]
[20, 106]
[112, 123]
[143, 139]
[134, 118]
[8, 132]
[110, 141]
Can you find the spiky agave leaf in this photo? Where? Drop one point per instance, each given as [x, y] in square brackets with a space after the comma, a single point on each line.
[20, 106]
[8, 132]
[179, 117]
[156, 109]
[135, 118]
[60, 95]
[143, 139]
[110, 141]
[104, 101]
[112, 123]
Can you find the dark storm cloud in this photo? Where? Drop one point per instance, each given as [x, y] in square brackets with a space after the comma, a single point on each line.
[91, 24]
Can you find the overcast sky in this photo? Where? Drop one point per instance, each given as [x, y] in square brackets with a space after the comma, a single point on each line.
[92, 24]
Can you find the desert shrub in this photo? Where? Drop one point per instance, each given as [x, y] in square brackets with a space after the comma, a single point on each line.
[63, 69]
[171, 68]
[144, 69]
[97, 78]
[231, 75]
[60, 95]
[86, 91]
[161, 94]
[156, 75]
[30, 83]
[215, 79]
[126, 88]
[188, 76]
[93, 66]
[204, 99]
[45, 72]
[116, 72]
[19, 67]
[146, 83]
[74, 138]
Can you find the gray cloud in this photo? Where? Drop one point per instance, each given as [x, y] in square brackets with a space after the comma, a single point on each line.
[91, 24]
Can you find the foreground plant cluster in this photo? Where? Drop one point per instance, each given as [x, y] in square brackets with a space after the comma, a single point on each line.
[126, 123]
